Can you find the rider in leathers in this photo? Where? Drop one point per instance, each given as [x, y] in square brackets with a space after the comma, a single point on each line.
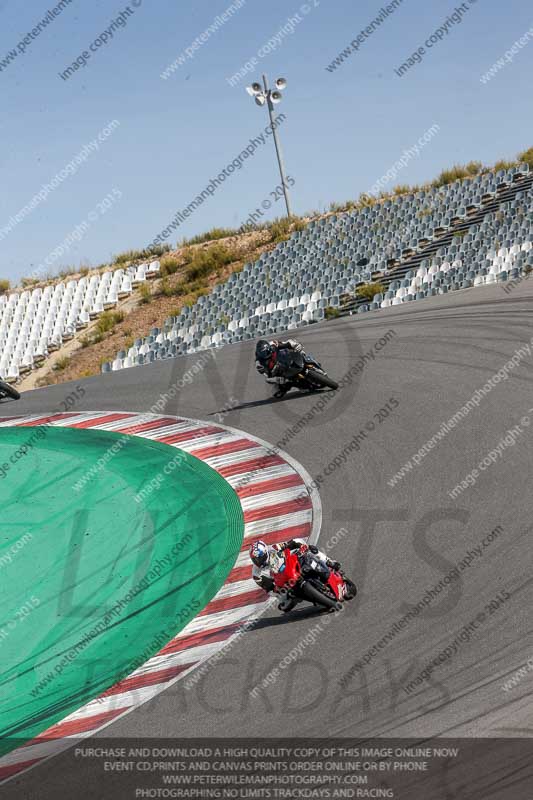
[268, 559]
[266, 361]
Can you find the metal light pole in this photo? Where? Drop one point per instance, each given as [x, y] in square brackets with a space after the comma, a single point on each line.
[271, 97]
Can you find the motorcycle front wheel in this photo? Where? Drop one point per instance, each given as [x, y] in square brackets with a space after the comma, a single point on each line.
[321, 379]
[351, 589]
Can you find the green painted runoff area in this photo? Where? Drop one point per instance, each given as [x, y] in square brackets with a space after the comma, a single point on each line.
[95, 579]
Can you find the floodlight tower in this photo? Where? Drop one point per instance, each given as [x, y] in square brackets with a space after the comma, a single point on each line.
[262, 95]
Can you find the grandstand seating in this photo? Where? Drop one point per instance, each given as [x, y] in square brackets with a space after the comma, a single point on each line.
[459, 257]
[32, 323]
[434, 241]
[464, 234]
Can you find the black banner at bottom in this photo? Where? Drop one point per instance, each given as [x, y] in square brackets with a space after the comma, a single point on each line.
[404, 769]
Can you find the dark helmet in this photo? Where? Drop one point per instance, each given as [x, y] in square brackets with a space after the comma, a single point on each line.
[263, 350]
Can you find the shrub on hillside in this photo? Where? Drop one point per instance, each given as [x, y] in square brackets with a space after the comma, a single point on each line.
[145, 293]
[66, 272]
[402, 188]
[503, 164]
[62, 363]
[450, 175]
[205, 262]
[193, 296]
[368, 290]
[169, 265]
[366, 200]
[180, 289]
[526, 157]
[248, 227]
[167, 290]
[5, 285]
[279, 229]
[127, 256]
[474, 167]
[26, 282]
[155, 251]
[108, 320]
[301, 225]
[210, 236]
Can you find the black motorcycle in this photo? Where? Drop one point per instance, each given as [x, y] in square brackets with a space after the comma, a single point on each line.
[8, 391]
[301, 371]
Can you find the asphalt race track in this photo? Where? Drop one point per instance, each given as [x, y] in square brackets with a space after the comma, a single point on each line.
[397, 543]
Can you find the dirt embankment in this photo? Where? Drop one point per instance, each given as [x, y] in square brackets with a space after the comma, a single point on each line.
[75, 359]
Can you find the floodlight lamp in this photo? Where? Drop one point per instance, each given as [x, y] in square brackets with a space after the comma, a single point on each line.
[254, 89]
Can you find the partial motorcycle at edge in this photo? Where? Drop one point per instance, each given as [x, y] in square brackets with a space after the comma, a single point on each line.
[6, 390]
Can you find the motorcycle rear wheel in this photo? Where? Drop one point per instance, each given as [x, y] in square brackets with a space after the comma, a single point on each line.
[322, 379]
[315, 595]
[8, 391]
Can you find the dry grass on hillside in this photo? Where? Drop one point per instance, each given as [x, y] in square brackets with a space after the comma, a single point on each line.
[87, 360]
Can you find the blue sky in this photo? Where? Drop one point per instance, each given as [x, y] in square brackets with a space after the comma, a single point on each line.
[342, 131]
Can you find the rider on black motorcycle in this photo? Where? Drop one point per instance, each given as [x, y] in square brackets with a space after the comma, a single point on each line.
[266, 361]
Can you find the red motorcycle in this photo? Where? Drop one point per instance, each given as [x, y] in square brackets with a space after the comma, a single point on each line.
[302, 576]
